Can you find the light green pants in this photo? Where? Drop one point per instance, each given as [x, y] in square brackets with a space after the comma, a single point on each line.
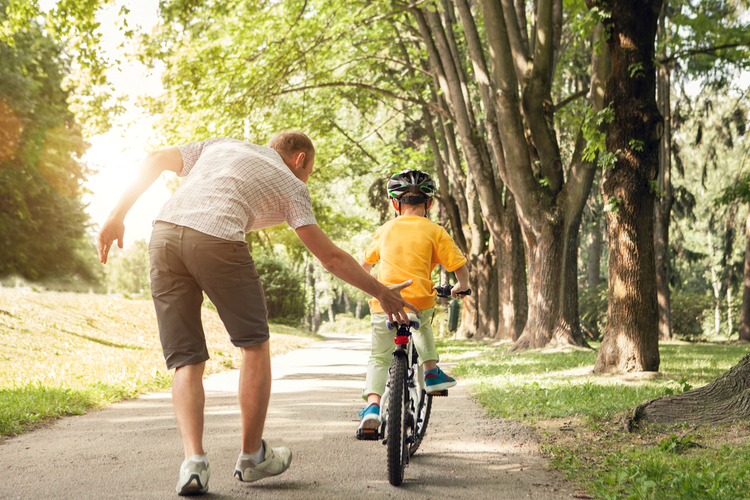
[381, 352]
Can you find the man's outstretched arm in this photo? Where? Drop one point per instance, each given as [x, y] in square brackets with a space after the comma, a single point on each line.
[344, 266]
[150, 170]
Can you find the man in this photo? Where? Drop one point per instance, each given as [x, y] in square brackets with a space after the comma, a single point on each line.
[231, 187]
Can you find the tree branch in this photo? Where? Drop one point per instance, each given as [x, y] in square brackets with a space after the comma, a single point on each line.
[359, 146]
[371, 88]
[393, 13]
[706, 50]
[571, 98]
[520, 55]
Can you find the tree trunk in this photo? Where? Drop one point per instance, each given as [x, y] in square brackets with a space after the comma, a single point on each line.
[745, 315]
[663, 208]
[358, 310]
[550, 200]
[726, 259]
[511, 278]
[347, 301]
[315, 313]
[594, 266]
[552, 261]
[726, 399]
[631, 337]
[469, 312]
[488, 310]
[715, 285]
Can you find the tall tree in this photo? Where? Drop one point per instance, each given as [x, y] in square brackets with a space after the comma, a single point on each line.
[710, 41]
[42, 220]
[628, 186]
[549, 197]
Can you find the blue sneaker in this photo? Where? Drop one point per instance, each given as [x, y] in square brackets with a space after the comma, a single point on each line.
[436, 380]
[368, 426]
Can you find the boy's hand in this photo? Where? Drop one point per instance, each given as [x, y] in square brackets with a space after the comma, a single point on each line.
[393, 304]
[458, 288]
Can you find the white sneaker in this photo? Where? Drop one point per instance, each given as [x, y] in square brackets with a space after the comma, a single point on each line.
[275, 462]
[194, 476]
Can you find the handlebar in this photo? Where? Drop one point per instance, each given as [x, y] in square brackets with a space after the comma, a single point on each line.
[445, 291]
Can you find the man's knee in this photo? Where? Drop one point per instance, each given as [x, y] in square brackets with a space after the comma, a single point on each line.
[256, 348]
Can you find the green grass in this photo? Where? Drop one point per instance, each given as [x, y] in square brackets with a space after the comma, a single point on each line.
[25, 407]
[553, 384]
[290, 330]
[545, 387]
[65, 353]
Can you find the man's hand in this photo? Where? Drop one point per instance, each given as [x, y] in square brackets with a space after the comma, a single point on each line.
[111, 230]
[393, 304]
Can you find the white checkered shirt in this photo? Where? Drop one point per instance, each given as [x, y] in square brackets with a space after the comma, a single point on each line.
[233, 187]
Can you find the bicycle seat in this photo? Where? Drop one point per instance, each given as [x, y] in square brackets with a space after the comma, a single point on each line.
[413, 322]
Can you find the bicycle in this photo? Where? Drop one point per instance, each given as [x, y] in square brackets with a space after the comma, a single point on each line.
[407, 404]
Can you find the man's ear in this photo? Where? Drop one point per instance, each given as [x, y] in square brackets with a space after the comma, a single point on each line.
[299, 160]
[429, 204]
[394, 204]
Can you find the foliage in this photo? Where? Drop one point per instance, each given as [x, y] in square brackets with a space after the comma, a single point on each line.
[128, 272]
[676, 444]
[614, 465]
[711, 147]
[285, 297]
[43, 227]
[346, 323]
[688, 314]
[592, 308]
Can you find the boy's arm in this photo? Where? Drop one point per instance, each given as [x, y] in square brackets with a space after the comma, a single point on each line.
[462, 283]
[344, 266]
[367, 267]
[151, 168]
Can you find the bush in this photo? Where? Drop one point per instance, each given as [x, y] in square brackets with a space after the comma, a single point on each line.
[688, 313]
[592, 308]
[129, 270]
[285, 295]
[346, 323]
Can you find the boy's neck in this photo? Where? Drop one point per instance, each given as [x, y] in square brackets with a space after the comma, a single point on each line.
[413, 210]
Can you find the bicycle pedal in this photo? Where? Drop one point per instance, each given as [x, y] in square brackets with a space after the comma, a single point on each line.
[368, 434]
[444, 392]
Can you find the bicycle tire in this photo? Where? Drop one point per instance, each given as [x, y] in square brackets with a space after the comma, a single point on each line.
[396, 429]
[423, 418]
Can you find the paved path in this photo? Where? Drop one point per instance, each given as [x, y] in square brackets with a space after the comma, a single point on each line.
[132, 449]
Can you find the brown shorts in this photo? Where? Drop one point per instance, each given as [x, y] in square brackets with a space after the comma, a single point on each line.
[184, 263]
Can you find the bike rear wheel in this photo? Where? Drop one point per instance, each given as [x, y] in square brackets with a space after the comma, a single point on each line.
[396, 430]
[423, 418]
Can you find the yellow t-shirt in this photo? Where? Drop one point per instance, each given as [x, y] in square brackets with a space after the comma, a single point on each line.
[409, 247]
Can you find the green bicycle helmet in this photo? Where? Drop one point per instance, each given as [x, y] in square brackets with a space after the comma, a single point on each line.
[411, 186]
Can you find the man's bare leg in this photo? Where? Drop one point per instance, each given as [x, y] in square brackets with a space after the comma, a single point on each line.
[189, 401]
[254, 394]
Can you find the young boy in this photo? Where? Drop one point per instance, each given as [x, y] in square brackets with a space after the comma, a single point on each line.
[409, 247]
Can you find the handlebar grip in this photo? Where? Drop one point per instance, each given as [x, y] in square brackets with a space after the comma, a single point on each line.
[445, 291]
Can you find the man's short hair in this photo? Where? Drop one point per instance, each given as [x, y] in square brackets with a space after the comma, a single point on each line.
[289, 142]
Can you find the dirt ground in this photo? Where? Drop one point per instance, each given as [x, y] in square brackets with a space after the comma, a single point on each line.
[132, 449]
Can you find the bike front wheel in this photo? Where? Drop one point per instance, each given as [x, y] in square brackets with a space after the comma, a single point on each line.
[396, 430]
